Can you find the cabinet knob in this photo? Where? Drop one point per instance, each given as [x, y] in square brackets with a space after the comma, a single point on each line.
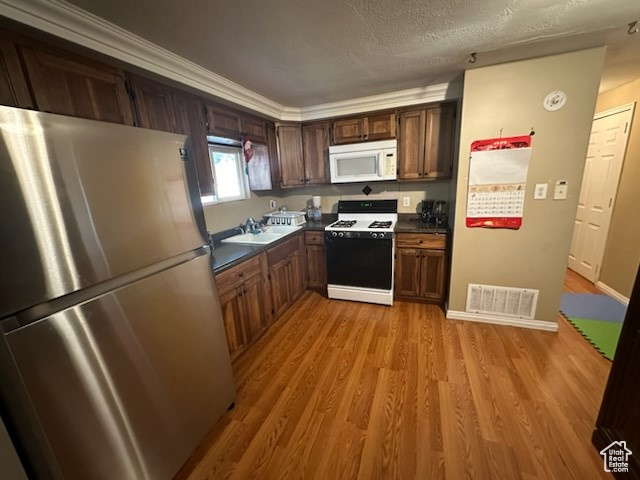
[302, 180]
[421, 241]
[241, 274]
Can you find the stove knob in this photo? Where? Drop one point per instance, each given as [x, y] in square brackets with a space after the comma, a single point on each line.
[340, 234]
[334, 234]
[374, 235]
[381, 235]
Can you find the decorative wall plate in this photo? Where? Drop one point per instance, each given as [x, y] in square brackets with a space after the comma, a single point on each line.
[554, 100]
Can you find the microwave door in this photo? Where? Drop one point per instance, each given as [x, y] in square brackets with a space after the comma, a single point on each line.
[354, 167]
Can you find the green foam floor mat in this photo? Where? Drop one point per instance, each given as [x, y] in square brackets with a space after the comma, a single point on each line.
[602, 335]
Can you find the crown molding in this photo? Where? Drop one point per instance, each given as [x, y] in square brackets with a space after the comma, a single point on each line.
[401, 98]
[73, 24]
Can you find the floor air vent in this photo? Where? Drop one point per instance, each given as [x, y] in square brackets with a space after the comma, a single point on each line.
[502, 301]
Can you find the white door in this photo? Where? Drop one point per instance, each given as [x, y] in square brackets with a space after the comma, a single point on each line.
[607, 146]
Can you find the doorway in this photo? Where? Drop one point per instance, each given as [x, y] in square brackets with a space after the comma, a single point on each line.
[605, 156]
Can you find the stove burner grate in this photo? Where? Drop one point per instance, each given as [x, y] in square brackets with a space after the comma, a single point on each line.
[378, 224]
[343, 223]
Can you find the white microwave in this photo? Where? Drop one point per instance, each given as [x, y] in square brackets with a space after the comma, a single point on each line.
[363, 162]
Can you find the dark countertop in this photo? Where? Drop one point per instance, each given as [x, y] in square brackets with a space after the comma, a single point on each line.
[410, 223]
[326, 220]
[227, 255]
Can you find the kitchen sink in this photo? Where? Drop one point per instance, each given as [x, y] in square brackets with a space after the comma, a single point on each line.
[269, 235]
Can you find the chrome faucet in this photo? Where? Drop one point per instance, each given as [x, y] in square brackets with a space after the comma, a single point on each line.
[251, 226]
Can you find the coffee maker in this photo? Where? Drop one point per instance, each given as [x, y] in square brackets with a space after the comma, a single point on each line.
[434, 211]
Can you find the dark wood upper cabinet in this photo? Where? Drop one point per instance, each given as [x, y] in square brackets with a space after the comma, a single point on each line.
[315, 140]
[290, 154]
[411, 144]
[190, 120]
[224, 122]
[440, 132]
[264, 170]
[348, 130]
[153, 104]
[376, 126]
[380, 127]
[425, 145]
[254, 128]
[14, 91]
[76, 86]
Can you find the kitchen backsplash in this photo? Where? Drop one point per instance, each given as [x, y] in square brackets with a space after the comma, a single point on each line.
[229, 215]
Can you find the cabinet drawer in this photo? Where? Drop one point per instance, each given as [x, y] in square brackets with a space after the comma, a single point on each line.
[236, 275]
[314, 237]
[275, 254]
[422, 240]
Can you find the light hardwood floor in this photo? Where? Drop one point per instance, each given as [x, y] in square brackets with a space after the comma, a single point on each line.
[348, 390]
[576, 283]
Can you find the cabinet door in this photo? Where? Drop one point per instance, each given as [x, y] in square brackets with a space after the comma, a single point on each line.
[440, 130]
[380, 127]
[259, 169]
[407, 278]
[315, 139]
[291, 155]
[295, 277]
[254, 303]
[153, 105]
[411, 144]
[274, 161]
[317, 262]
[73, 87]
[280, 296]
[190, 120]
[432, 274]
[14, 91]
[255, 129]
[233, 318]
[223, 122]
[349, 130]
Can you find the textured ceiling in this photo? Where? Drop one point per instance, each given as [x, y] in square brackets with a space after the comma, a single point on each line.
[302, 53]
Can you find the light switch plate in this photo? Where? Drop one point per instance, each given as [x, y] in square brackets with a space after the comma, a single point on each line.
[560, 193]
[272, 204]
[540, 192]
[406, 201]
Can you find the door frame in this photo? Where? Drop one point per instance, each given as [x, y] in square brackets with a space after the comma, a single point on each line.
[630, 108]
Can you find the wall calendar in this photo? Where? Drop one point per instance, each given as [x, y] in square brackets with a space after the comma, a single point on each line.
[497, 177]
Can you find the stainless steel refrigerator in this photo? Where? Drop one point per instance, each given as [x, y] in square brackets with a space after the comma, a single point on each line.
[113, 357]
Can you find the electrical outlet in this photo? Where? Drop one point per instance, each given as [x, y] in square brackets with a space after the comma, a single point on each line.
[540, 191]
[272, 204]
[560, 192]
[406, 201]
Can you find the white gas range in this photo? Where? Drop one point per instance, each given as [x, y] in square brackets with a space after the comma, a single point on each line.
[359, 248]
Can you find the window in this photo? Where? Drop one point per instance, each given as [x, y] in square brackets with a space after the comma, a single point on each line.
[229, 175]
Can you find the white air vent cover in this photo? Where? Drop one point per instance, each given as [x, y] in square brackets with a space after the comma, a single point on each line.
[502, 301]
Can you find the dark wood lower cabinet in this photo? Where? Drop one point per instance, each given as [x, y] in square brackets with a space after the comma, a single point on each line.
[286, 273]
[245, 303]
[420, 267]
[316, 260]
[619, 416]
